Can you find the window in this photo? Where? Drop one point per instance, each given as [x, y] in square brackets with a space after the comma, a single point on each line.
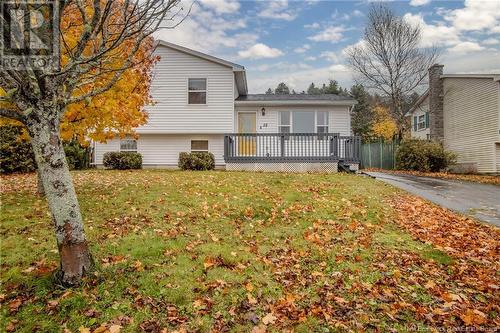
[129, 145]
[321, 122]
[421, 122]
[284, 122]
[197, 91]
[303, 122]
[199, 145]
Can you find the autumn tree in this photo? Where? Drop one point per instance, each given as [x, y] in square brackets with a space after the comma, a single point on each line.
[383, 125]
[104, 45]
[390, 60]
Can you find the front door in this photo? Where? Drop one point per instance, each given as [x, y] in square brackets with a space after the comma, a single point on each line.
[247, 123]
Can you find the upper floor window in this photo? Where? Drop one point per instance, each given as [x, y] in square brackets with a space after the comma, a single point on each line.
[129, 145]
[197, 91]
[421, 122]
[199, 145]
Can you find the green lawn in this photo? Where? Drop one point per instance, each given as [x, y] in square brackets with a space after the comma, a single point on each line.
[220, 251]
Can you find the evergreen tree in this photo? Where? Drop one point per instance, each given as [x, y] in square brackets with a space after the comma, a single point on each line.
[269, 91]
[313, 90]
[282, 89]
[332, 88]
[362, 116]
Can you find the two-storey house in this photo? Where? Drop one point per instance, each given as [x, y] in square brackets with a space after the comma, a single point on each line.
[202, 104]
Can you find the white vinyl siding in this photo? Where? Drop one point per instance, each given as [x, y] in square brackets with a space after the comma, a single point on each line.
[339, 118]
[163, 150]
[471, 120]
[422, 133]
[172, 113]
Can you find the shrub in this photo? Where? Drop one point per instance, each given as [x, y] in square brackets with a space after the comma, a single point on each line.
[196, 161]
[16, 154]
[122, 160]
[424, 156]
[78, 157]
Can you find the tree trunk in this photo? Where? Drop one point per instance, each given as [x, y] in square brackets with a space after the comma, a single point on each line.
[75, 256]
[39, 184]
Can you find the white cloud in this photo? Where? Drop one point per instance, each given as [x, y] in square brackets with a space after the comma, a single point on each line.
[465, 47]
[310, 58]
[221, 6]
[314, 25]
[485, 61]
[330, 34]
[259, 51]
[277, 9]
[210, 32]
[476, 15]
[357, 13]
[419, 2]
[283, 66]
[302, 49]
[433, 35]
[330, 56]
[491, 41]
[339, 68]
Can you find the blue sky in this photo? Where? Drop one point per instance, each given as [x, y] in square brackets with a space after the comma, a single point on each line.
[300, 42]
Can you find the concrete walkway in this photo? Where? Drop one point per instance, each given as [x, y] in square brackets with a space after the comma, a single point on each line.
[479, 200]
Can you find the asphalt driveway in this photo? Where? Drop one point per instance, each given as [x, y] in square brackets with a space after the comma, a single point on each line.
[479, 200]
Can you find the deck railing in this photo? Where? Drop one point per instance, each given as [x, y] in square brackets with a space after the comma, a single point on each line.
[292, 147]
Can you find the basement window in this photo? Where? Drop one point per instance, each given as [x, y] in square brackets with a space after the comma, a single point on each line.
[199, 146]
[128, 145]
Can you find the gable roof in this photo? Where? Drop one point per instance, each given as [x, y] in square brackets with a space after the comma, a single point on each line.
[239, 70]
[295, 99]
[419, 101]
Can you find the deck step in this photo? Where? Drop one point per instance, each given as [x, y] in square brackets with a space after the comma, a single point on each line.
[345, 168]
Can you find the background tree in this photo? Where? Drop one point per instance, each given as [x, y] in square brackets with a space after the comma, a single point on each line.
[313, 90]
[383, 125]
[101, 40]
[390, 59]
[362, 116]
[282, 89]
[269, 91]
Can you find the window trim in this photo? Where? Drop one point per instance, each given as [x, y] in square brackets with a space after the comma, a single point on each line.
[199, 150]
[190, 91]
[128, 150]
[316, 125]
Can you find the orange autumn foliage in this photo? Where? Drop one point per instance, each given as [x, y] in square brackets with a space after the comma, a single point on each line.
[119, 110]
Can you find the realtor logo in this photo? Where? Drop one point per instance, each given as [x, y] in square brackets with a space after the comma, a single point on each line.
[29, 34]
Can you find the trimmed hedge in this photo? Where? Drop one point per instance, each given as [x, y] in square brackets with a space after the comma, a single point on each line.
[424, 156]
[77, 156]
[196, 161]
[122, 160]
[16, 154]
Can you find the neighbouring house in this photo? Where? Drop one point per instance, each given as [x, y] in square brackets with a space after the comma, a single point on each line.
[463, 112]
[202, 104]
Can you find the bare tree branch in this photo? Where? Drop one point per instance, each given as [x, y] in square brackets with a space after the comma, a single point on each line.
[390, 59]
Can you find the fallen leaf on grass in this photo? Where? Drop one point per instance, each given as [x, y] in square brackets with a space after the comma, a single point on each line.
[269, 319]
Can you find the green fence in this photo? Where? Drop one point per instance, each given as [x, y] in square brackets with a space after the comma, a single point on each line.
[380, 154]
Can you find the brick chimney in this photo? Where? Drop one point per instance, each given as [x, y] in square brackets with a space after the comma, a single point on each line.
[436, 102]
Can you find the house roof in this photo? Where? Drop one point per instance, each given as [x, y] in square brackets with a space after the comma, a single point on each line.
[418, 102]
[239, 70]
[494, 77]
[295, 99]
